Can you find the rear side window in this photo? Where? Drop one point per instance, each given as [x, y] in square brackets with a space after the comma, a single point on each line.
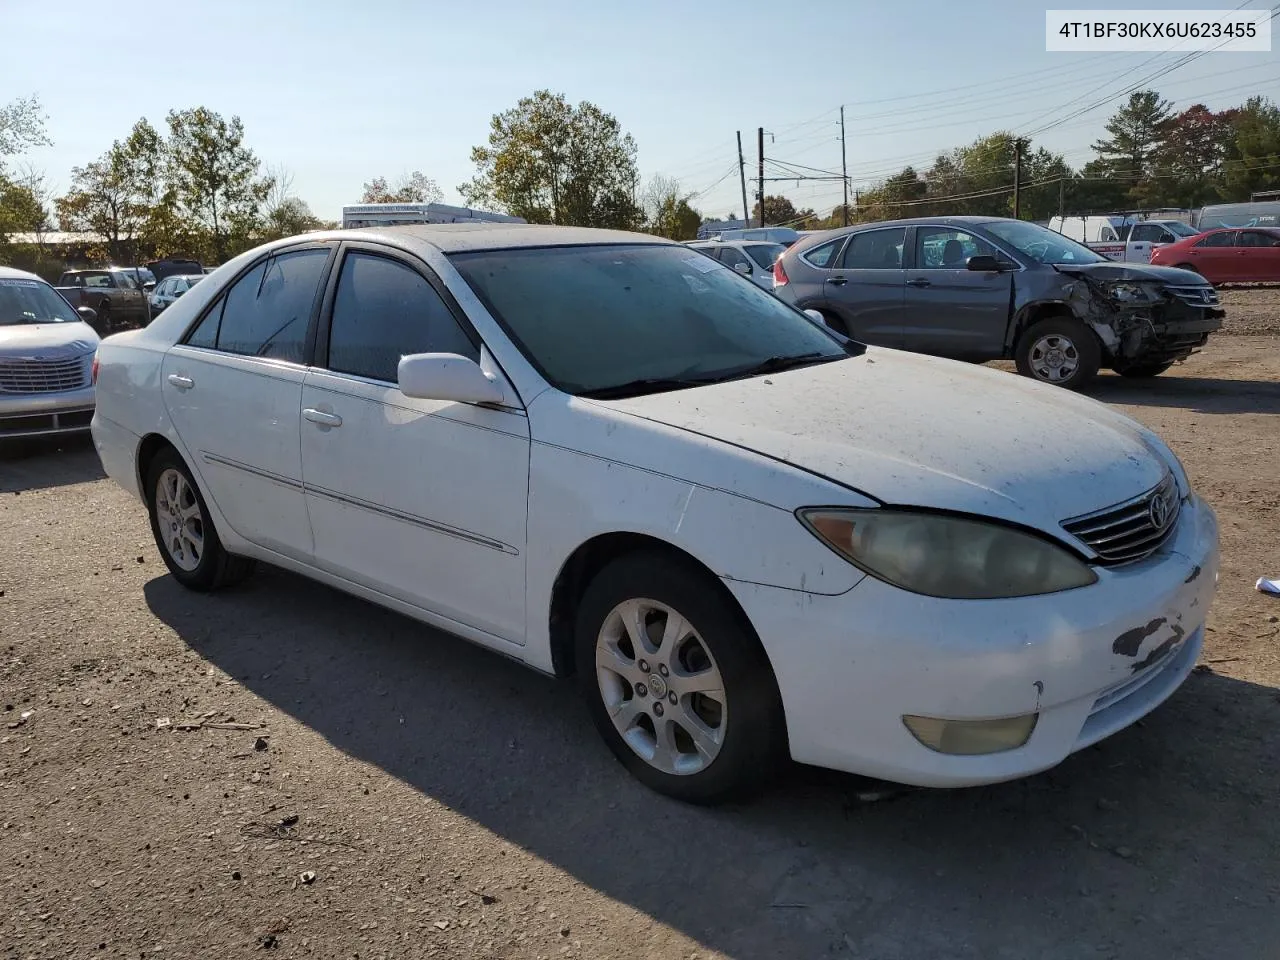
[1256, 238]
[824, 254]
[385, 310]
[266, 312]
[876, 249]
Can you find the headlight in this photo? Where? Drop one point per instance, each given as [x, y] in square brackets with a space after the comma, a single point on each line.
[948, 557]
[1128, 291]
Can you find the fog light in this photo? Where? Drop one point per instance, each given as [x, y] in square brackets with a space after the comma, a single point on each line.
[971, 737]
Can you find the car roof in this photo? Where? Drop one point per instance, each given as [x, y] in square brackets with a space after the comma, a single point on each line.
[460, 237]
[9, 273]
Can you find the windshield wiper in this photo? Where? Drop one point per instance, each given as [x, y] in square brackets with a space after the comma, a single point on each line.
[778, 364]
[635, 388]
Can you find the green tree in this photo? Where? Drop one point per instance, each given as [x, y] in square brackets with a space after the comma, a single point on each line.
[1254, 163]
[21, 127]
[285, 214]
[416, 187]
[667, 211]
[777, 210]
[214, 178]
[551, 162]
[113, 196]
[1137, 131]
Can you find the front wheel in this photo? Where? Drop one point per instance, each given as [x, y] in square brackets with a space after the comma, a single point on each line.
[180, 523]
[676, 680]
[1143, 371]
[1060, 351]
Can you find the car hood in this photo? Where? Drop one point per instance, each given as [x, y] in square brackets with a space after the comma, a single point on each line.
[1103, 272]
[47, 340]
[912, 430]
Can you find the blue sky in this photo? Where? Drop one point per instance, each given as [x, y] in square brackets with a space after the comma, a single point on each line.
[340, 92]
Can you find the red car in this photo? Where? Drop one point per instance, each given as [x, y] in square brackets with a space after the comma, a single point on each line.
[1245, 255]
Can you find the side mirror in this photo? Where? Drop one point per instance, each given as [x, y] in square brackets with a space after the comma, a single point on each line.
[178, 293]
[816, 316]
[446, 376]
[984, 263]
[148, 286]
[88, 315]
[743, 268]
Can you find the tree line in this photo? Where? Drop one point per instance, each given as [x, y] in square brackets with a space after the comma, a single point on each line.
[193, 187]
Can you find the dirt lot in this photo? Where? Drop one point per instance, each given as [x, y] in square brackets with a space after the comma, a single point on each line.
[412, 796]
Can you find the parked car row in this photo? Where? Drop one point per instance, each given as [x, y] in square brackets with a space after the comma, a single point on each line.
[747, 535]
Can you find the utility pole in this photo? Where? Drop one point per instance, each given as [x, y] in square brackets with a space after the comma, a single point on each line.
[760, 150]
[1018, 145]
[844, 170]
[742, 175]
[1062, 196]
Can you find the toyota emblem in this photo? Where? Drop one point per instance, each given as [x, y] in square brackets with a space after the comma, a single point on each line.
[1158, 511]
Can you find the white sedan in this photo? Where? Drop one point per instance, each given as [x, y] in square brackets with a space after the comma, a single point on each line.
[607, 455]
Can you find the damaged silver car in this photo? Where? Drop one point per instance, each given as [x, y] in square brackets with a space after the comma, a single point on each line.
[991, 288]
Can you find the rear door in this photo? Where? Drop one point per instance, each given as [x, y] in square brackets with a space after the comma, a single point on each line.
[233, 389]
[950, 310]
[866, 289]
[1258, 256]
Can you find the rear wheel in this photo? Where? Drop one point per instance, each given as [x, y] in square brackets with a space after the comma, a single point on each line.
[1058, 350]
[104, 317]
[676, 680]
[1141, 371]
[183, 530]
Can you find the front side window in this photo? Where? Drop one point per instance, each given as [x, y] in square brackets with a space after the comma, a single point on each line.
[1256, 238]
[385, 310]
[126, 281]
[266, 312]
[945, 248]
[24, 301]
[1223, 239]
[732, 256]
[620, 320]
[876, 249]
[97, 280]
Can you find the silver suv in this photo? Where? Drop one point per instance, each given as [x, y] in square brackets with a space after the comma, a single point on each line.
[46, 360]
[753, 259]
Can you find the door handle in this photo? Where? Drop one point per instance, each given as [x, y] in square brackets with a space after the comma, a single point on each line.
[918, 282]
[321, 418]
[181, 382]
[838, 281]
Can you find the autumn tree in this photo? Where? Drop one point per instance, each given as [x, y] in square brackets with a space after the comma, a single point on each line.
[414, 187]
[551, 162]
[114, 196]
[1189, 162]
[1254, 161]
[215, 178]
[284, 213]
[22, 208]
[777, 210]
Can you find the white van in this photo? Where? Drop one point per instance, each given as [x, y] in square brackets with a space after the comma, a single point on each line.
[783, 235]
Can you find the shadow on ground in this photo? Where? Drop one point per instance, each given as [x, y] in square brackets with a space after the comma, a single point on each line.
[37, 464]
[1198, 394]
[1157, 843]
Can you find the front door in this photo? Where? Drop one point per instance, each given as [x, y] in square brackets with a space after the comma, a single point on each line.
[950, 310]
[422, 500]
[233, 389]
[866, 289]
[1215, 256]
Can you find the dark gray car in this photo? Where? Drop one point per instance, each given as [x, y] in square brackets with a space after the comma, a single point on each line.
[990, 288]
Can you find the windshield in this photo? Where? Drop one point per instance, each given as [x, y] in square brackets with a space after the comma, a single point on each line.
[1041, 244]
[634, 318]
[1179, 229]
[32, 301]
[765, 253]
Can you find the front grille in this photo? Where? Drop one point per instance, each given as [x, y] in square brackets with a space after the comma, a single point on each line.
[1199, 296]
[43, 376]
[1133, 530]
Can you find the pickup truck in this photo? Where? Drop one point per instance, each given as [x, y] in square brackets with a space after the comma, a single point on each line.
[1122, 238]
[112, 293]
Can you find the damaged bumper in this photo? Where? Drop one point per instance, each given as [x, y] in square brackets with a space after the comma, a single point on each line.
[1084, 663]
[1169, 325]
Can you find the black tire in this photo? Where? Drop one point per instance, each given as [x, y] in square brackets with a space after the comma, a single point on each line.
[104, 318]
[753, 738]
[834, 322]
[1075, 339]
[1143, 371]
[215, 567]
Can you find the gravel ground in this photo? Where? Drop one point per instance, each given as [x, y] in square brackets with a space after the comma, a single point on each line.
[336, 781]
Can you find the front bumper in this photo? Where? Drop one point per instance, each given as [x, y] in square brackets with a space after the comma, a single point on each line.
[43, 415]
[1089, 662]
